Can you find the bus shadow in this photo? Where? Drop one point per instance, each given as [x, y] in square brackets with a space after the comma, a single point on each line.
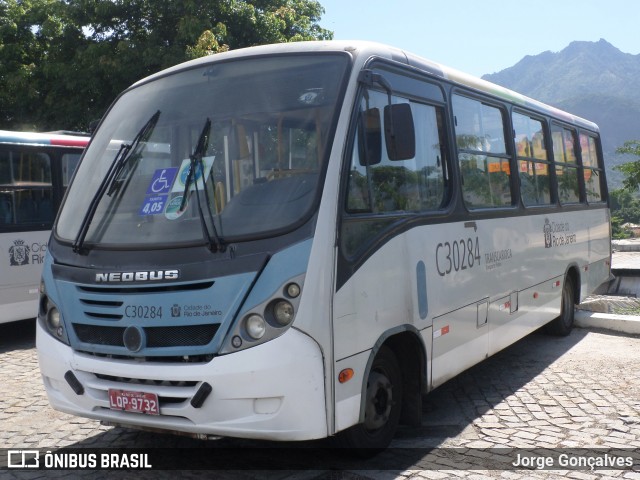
[17, 335]
[452, 409]
[449, 412]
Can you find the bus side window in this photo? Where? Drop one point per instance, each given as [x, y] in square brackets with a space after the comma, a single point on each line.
[27, 209]
[45, 208]
[31, 173]
[382, 188]
[69, 164]
[533, 160]
[567, 168]
[482, 153]
[379, 184]
[593, 174]
[6, 210]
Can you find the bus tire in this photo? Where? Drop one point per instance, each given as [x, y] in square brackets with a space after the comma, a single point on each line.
[563, 325]
[383, 404]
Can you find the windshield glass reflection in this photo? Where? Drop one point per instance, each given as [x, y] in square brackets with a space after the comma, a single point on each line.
[257, 169]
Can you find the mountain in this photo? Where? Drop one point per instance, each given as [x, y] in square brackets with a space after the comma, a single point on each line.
[594, 80]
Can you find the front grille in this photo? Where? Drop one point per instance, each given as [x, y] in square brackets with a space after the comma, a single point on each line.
[152, 322]
[99, 335]
[203, 358]
[179, 336]
[128, 290]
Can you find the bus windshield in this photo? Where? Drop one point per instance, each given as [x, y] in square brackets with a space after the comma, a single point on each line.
[255, 132]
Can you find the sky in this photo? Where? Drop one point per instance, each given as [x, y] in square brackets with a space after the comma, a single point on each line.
[484, 36]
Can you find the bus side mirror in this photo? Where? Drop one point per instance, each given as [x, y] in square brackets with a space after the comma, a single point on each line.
[399, 132]
[371, 137]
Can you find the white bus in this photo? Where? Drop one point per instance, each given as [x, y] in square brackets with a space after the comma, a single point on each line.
[298, 241]
[35, 169]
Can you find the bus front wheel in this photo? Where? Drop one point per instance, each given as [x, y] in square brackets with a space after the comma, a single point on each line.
[382, 407]
[563, 325]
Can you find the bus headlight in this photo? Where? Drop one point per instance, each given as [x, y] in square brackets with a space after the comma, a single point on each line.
[255, 326]
[54, 324]
[283, 312]
[53, 318]
[50, 318]
[270, 313]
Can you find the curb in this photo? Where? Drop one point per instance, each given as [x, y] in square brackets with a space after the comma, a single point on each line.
[608, 321]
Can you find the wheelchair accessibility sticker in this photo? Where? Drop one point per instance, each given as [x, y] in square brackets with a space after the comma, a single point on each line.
[205, 168]
[162, 181]
[158, 191]
[172, 180]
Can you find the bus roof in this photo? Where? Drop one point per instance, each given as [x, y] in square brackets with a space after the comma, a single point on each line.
[368, 49]
[54, 139]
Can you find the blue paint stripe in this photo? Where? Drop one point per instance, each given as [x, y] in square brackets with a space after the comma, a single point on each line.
[421, 277]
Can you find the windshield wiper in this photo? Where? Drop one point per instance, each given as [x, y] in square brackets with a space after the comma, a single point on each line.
[109, 184]
[129, 150]
[216, 243]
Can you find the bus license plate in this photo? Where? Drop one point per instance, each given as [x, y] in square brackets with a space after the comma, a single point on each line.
[137, 402]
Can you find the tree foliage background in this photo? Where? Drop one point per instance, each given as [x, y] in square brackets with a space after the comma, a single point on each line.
[62, 62]
[625, 205]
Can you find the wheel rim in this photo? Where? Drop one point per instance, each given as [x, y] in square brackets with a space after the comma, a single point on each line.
[567, 304]
[379, 401]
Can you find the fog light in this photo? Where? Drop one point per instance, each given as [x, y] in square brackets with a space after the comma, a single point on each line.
[236, 341]
[293, 290]
[255, 326]
[283, 312]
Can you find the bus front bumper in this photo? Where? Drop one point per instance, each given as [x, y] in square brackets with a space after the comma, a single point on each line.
[274, 391]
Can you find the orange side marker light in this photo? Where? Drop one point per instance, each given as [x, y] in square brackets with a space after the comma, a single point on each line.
[346, 375]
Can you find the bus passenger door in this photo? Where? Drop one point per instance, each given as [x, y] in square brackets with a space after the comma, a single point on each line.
[460, 340]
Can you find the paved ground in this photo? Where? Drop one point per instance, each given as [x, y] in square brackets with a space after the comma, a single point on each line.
[543, 395]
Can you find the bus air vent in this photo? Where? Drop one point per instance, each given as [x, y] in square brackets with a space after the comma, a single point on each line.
[156, 337]
[124, 290]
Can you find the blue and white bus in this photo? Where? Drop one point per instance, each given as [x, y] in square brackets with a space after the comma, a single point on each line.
[35, 169]
[298, 241]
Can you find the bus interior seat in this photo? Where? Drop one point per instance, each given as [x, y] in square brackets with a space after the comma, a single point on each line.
[6, 211]
[282, 200]
[27, 211]
[45, 210]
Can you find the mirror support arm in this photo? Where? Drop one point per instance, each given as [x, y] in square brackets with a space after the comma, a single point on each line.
[369, 78]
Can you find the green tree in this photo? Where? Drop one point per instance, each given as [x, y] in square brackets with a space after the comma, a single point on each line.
[625, 205]
[62, 63]
[625, 208]
[631, 170]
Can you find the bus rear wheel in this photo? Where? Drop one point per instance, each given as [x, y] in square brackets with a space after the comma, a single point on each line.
[563, 325]
[382, 407]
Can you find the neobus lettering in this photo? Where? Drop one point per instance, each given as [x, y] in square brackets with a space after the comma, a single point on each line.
[143, 276]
